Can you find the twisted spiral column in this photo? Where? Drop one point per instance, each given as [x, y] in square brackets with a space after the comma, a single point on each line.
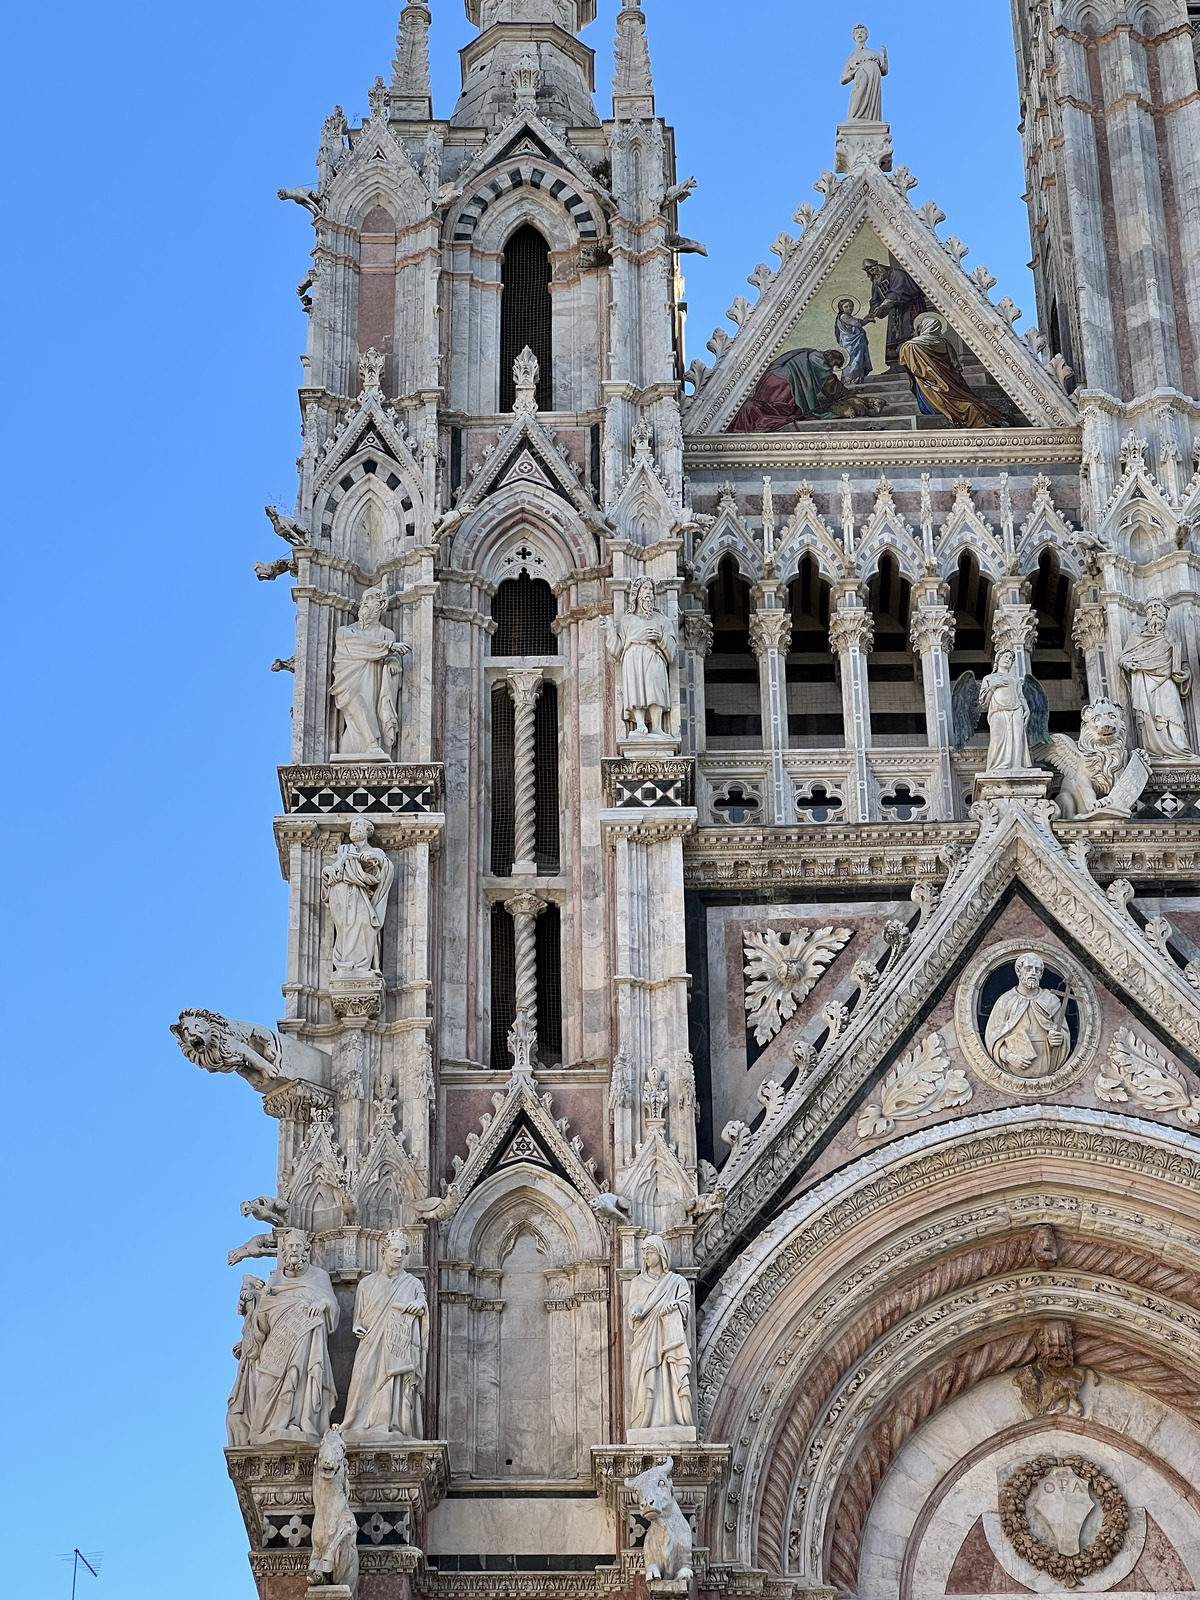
[525, 909]
[525, 687]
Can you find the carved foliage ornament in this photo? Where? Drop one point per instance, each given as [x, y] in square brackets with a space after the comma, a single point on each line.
[781, 969]
[920, 1083]
[1055, 1473]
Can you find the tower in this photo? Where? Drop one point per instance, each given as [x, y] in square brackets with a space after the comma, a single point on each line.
[740, 1070]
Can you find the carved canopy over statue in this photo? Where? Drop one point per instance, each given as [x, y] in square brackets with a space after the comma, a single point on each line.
[289, 1391]
[366, 683]
[660, 1362]
[644, 642]
[1159, 679]
[387, 1387]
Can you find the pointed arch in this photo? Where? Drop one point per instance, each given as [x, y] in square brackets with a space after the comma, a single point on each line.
[526, 313]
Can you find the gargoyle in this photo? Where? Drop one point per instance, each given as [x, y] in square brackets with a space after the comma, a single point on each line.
[260, 1055]
[285, 527]
[308, 198]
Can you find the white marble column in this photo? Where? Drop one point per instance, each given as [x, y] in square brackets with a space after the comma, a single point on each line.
[851, 637]
[1090, 633]
[525, 687]
[931, 630]
[525, 909]
[696, 636]
[770, 636]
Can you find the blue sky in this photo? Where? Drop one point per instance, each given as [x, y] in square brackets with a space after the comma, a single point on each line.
[153, 338]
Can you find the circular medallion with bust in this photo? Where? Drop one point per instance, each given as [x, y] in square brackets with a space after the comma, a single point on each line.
[1026, 1019]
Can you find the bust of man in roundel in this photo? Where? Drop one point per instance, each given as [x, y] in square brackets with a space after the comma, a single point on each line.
[1027, 1032]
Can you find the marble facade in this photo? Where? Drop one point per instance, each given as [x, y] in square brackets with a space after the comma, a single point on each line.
[739, 1114]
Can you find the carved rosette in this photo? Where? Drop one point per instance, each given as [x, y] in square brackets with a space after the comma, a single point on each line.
[851, 629]
[770, 630]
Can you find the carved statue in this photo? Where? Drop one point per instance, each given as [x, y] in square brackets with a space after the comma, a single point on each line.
[237, 1419]
[1159, 679]
[355, 888]
[290, 1380]
[660, 1363]
[366, 683]
[1096, 778]
[668, 1544]
[260, 1055]
[334, 1558]
[1003, 701]
[1027, 1032]
[644, 642]
[387, 1387]
[866, 70]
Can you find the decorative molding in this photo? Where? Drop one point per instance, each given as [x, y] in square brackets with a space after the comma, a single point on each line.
[795, 452]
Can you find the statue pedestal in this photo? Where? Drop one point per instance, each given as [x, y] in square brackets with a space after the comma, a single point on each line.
[643, 746]
[1023, 783]
[331, 1591]
[356, 997]
[659, 1438]
[863, 144]
[361, 759]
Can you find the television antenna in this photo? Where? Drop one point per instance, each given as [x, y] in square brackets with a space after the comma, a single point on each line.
[91, 1561]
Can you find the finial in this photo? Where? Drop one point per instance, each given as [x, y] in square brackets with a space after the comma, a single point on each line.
[525, 378]
[633, 87]
[522, 1040]
[411, 97]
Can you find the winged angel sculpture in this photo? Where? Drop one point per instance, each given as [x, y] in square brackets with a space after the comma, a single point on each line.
[965, 703]
[781, 969]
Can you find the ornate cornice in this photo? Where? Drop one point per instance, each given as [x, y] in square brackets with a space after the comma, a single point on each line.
[998, 447]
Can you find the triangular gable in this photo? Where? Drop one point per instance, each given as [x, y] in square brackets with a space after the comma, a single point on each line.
[886, 530]
[528, 137]
[519, 1115]
[1014, 844]
[728, 534]
[1046, 525]
[965, 529]
[525, 469]
[377, 152]
[1139, 520]
[369, 420]
[868, 198]
[526, 437]
[642, 508]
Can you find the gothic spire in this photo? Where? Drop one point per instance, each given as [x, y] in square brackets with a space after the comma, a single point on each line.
[633, 87]
[411, 99]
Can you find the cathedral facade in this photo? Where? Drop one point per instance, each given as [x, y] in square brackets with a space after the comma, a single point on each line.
[739, 1081]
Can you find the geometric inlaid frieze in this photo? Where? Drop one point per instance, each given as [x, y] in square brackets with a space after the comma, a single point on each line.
[649, 785]
[383, 789]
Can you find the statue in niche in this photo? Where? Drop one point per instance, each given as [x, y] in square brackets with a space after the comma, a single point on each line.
[660, 1363]
[290, 1389]
[355, 888]
[1027, 1031]
[1002, 699]
[237, 1417]
[387, 1386]
[1159, 679]
[866, 70]
[644, 642]
[366, 683]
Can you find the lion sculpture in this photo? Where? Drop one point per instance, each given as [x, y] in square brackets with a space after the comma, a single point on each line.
[334, 1558]
[1096, 778]
[260, 1055]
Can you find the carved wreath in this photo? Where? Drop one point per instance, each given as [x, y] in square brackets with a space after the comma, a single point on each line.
[1105, 1547]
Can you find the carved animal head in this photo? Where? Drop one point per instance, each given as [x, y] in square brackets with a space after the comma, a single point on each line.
[1102, 740]
[654, 1488]
[331, 1456]
[204, 1039]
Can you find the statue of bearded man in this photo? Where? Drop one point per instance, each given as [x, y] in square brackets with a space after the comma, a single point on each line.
[1027, 1032]
[290, 1382]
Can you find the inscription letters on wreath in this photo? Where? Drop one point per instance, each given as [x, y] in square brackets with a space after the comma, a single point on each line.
[1058, 1494]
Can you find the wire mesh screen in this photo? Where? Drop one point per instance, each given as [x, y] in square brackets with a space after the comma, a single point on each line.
[503, 811]
[524, 610]
[549, 984]
[526, 315]
[504, 987]
[545, 771]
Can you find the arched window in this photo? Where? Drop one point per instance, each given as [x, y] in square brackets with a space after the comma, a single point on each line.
[970, 601]
[1053, 663]
[526, 314]
[524, 610]
[815, 719]
[545, 777]
[548, 955]
[732, 709]
[897, 690]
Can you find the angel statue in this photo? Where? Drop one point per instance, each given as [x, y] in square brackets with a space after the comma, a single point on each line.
[1017, 710]
[1097, 781]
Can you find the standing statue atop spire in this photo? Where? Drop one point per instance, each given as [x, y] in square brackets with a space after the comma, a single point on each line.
[866, 70]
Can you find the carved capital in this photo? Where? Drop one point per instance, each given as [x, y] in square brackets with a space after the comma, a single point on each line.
[851, 629]
[1088, 631]
[932, 628]
[1014, 627]
[697, 632]
[770, 630]
[525, 904]
[525, 687]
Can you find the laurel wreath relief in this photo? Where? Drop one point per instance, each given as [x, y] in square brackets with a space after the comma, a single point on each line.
[1068, 1569]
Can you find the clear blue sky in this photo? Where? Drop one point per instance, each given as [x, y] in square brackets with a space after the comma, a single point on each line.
[152, 342]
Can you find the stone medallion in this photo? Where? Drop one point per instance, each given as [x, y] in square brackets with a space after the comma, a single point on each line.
[1027, 1018]
[1043, 1509]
